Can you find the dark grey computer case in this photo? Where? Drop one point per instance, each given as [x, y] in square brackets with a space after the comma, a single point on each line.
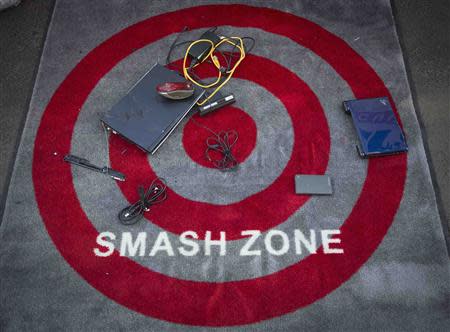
[143, 116]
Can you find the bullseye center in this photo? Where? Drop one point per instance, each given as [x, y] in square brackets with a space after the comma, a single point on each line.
[225, 119]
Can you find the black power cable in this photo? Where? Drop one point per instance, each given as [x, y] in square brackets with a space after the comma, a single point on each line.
[156, 193]
[222, 144]
[175, 45]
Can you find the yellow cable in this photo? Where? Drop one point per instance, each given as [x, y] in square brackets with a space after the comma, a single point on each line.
[216, 63]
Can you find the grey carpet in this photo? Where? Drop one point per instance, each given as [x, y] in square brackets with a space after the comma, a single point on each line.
[402, 286]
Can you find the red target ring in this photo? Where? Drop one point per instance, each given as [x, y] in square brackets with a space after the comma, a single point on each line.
[267, 208]
[187, 302]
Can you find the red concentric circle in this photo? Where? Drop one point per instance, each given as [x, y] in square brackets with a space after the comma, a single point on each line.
[204, 303]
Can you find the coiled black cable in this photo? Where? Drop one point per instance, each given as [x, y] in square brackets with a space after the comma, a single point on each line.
[156, 193]
[222, 144]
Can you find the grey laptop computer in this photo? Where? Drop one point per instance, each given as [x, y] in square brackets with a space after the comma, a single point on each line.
[145, 118]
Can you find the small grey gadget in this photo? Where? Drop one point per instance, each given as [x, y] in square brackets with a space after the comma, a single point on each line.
[313, 184]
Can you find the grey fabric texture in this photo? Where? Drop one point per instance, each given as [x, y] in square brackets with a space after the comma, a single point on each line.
[403, 286]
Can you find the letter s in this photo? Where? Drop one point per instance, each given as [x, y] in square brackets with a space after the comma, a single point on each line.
[184, 239]
[104, 243]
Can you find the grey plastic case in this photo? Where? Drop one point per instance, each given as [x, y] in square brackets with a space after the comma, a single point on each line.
[313, 185]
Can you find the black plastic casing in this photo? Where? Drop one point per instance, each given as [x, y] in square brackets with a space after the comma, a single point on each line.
[200, 51]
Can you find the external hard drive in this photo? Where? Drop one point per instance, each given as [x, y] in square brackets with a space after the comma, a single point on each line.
[313, 185]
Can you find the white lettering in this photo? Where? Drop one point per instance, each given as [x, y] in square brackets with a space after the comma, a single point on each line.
[222, 243]
[245, 250]
[327, 240]
[127, 244]
[300, 239]
[268, 242]
[104, 243]
[184, 239]
[162, 243]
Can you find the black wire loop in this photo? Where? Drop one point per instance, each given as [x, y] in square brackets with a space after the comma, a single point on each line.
[156, 193]
[222, 143]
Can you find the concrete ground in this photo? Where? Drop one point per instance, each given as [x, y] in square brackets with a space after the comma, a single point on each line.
[423, 30]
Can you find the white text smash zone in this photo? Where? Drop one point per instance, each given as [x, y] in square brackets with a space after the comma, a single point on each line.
[254, 243]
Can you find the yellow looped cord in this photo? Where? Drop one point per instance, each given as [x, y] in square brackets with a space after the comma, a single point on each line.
[235, 41]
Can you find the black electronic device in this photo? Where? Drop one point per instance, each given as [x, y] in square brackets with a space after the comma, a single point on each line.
[216, 103]
[74, 160]
[200, 51]
[146, 118]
